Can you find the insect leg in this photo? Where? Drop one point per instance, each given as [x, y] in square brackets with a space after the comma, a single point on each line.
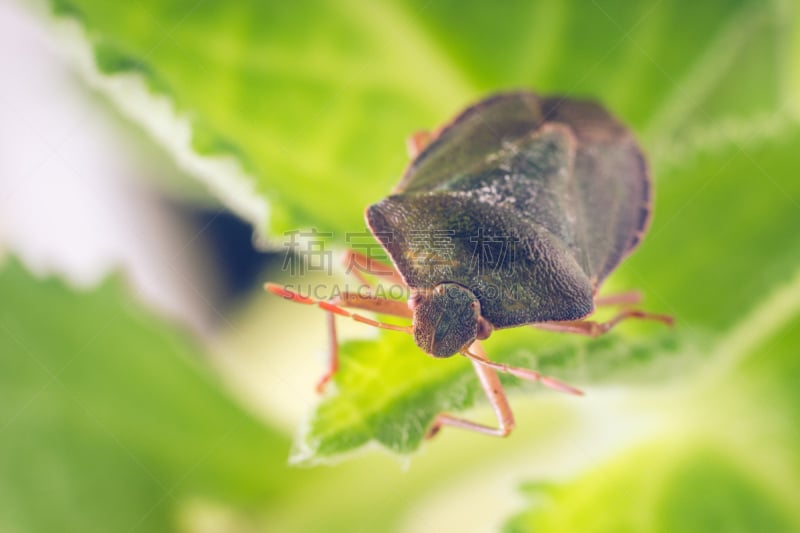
[357, 301]
[350, 299]
[416, 143]
[522, 373]
[337, 307]
[622, 298]
[594, 329]
[333, 354]
[497, 398]
[364, 263]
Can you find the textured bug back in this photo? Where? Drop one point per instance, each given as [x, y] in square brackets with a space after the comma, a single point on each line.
[539, 200]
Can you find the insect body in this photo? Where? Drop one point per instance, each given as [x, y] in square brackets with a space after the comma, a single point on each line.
[540, 199]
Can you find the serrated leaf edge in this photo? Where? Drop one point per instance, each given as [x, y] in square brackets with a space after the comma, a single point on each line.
[157, 115]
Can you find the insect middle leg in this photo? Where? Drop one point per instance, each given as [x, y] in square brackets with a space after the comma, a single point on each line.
[620, 298]
[594, 329]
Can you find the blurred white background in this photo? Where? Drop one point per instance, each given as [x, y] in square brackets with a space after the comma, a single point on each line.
[72, 199]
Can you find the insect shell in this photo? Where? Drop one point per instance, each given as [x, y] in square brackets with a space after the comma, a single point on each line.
[559, 184]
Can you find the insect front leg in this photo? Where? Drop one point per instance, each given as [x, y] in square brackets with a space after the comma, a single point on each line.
[491, 386]
[368, 303]
[333, 354]
[337, 306]
[490, 383]
[594, 329]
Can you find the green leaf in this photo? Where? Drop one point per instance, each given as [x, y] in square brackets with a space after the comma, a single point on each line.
[391, 383]
[699, 489]
[390, 391]
[725, 222]
[109, 420]
[314, 99]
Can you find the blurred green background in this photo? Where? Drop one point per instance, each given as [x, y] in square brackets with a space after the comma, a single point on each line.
[153, 162]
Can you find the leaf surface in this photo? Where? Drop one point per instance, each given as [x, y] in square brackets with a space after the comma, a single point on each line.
[108, 418]
[315, 99]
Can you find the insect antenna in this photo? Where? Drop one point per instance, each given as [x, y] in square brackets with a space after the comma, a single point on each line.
[525, 373]
[331, 307]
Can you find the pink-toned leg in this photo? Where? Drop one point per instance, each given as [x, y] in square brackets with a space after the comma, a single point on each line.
[369, 303]
[364, 263]
[497, 398]
[487, 374]
[361, 278]
[594, 329]
[622, 298]
[416, 143]
[522, 373]
[336, 307]
[376, 304]
[333, 354]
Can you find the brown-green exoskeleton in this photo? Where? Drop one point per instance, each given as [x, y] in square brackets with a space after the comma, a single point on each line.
[530, 203]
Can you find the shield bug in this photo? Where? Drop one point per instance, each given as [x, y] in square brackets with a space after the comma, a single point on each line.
[534, 201]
